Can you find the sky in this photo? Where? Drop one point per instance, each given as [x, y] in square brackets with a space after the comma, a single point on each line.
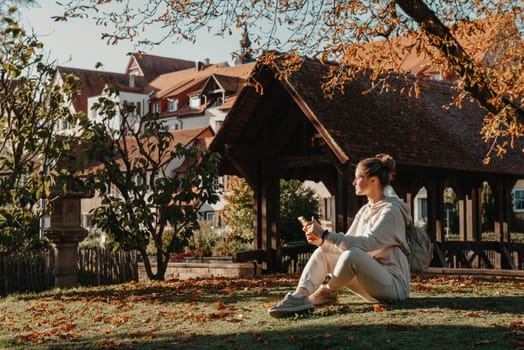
[78, 44]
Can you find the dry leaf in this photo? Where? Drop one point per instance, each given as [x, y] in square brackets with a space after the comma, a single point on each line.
[378, 308]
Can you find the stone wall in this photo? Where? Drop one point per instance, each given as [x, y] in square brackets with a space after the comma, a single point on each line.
[205, 268]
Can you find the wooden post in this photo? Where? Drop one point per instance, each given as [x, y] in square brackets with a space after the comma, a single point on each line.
[469, 219]
[341, 199]
[266, 210]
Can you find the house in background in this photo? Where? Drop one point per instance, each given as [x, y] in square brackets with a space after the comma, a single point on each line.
[132, 84]
[196, 97]
[188, 96]
[200, 137]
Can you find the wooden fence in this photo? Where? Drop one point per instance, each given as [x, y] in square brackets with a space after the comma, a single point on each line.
[486, 255]
[26, 272]
[100, 266]
[33, 272]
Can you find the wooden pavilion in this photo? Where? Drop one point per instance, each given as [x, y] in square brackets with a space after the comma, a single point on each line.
[291, 131]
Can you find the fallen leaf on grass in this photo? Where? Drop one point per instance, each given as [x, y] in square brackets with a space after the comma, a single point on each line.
[471, 314]
[61, 331]
[147, 335]
[423, 288]
[108, 344]
[378, 308]
[220, 305]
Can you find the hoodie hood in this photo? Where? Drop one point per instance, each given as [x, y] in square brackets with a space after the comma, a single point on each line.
[392, 197]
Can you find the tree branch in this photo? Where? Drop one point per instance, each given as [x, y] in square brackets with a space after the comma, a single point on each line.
[474, 79]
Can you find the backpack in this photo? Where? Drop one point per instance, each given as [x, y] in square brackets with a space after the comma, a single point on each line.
[420, 251]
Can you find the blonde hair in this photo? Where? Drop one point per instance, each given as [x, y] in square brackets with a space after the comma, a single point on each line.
[382, 166]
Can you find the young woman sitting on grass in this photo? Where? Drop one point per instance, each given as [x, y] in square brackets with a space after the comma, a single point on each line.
[368, 259]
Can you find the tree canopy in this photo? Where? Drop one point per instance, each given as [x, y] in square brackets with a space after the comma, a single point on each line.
[151, 186]
[31, 104]
[347, 32]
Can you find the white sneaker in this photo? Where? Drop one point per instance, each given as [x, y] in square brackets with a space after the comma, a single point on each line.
[291, 305]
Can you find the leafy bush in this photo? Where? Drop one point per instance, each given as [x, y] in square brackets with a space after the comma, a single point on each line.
[295, 200]
[210, 240]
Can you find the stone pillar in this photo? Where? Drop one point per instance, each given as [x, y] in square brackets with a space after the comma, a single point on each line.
[65, 233]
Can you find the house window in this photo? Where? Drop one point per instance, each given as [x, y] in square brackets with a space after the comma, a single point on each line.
[518, 200]
[139, 180]
[211, 217]
[156, 108]
[86, 221]
[216, 184]
[173, 105]
[422, 209]
[194, 102]
[219, 101]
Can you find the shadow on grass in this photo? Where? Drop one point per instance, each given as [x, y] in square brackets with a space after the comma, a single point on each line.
[293, 334]
[502, 304]
[419, 322]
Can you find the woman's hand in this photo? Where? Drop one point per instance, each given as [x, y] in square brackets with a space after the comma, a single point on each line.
[313, 231]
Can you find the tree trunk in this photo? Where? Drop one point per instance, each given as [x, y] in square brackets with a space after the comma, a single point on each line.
[161, 266]
[441, 38]
[147, 265]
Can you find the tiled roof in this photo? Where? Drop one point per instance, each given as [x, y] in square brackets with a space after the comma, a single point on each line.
[417, 132]
[184, 137]
[175, 82]
[240, 70]
[152, 66]
[228, 103]
[230, 83]
[93, 83]
[190, 81]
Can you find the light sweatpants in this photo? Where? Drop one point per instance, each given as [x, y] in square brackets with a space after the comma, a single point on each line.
[354, 269]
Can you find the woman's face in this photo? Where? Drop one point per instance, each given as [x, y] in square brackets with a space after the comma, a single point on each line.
[362, 183]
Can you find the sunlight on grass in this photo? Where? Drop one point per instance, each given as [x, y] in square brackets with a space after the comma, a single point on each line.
[442, 312]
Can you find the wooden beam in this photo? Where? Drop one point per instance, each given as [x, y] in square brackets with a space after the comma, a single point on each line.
[231, 155]
[303, 161]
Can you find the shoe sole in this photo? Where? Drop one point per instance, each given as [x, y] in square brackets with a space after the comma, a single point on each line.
[289, 313]
[327, 303]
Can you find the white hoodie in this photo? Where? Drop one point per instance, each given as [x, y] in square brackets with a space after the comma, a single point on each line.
[380, 230]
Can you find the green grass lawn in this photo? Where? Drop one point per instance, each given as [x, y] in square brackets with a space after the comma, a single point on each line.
[442, 313]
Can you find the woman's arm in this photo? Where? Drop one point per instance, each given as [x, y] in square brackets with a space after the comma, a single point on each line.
[385, 232]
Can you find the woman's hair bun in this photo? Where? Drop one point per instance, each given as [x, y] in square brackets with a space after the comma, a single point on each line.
[389, 165]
